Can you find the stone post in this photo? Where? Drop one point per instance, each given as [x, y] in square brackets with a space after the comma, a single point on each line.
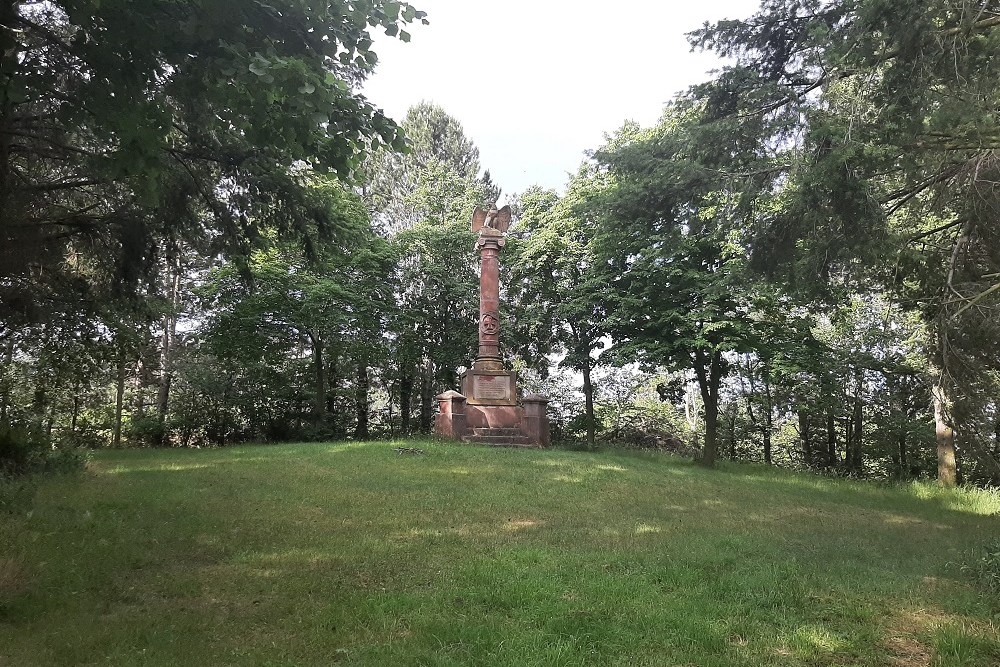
[450, 421]
[489, 243]
[536, 419]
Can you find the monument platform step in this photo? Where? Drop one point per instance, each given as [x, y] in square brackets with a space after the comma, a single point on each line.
[500, 440]
[488, 430]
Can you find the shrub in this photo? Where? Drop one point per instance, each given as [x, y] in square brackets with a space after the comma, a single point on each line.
[146, 431]
[22, 450]
[984, 568]
[24, 453]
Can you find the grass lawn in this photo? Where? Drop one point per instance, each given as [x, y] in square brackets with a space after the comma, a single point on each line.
[352, 554]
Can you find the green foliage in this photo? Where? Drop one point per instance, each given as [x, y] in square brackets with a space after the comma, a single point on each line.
[881, 115]
[146, 431]
[436, 180]
[25, 451]
[22, 450]
[244, 381]
[439, 296]
[125, 123]
[670, 247]
[984, 568]
[559, 300]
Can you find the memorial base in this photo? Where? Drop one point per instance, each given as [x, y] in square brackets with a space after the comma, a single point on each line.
[488, 412]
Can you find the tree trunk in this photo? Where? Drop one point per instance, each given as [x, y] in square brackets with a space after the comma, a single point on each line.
[831, 439]
[333, 416]
[405, 402]
[319, 377]
[10, 54]
[361, 403]
[388, 408]
[945, 435]
[5, 380]
[167, 343]
[745, 380]
[39, 405]
[902, 453]
[805, 435]
[768, 425]
[711, 432]
[50, 421]
[996, 439]
[76, 408]
[856, 462]
[732, 413]
[427, 397]
[139, 408]
[708, 370]
[588, 402]
[944, 427]
[116, 436]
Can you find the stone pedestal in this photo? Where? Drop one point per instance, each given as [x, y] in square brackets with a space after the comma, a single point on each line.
[450, 421]
[536, 419]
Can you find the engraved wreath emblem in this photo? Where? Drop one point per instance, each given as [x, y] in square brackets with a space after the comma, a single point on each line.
[490, 323]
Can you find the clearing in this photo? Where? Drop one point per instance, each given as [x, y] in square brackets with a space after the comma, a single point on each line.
[311, 554]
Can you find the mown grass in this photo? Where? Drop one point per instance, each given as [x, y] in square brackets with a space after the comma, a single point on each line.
[352, 554]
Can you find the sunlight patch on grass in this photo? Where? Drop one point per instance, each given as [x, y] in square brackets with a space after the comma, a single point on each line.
[906, 651]
[461, 531]
[966, 644]
[341, 447]
[555, 463]
[164, 467]
[645, 528]
[809, 641]
[289, 556]
[931, 636]
[902, 520]
[458, 470]
[514, 525]
[972, 501]
[572, 479]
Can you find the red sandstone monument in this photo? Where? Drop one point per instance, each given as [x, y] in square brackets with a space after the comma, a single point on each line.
[488, 411]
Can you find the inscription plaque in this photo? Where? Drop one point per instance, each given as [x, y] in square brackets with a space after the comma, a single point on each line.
[491, 387]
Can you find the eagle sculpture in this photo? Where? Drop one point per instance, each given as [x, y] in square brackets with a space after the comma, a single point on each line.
[494, 219]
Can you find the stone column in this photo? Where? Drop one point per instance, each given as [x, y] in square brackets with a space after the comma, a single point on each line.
[489, 243]
[536, 419]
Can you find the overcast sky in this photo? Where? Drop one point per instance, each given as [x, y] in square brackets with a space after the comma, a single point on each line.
[537, 82]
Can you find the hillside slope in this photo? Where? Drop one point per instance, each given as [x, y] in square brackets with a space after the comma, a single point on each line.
[351, 553]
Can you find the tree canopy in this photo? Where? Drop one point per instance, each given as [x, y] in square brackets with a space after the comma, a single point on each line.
[208, 234]
[122, 124]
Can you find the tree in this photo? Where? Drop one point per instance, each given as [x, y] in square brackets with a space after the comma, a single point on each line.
[889, 132]
[112, 111]
[438, 303]
[669, 248]
[434, 179]
[424, 200]
[556, 295]
[336, 306]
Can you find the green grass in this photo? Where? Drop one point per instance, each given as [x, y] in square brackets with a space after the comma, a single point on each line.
[316, 554]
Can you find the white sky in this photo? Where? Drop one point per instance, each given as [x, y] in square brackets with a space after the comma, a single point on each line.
[535, 83]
